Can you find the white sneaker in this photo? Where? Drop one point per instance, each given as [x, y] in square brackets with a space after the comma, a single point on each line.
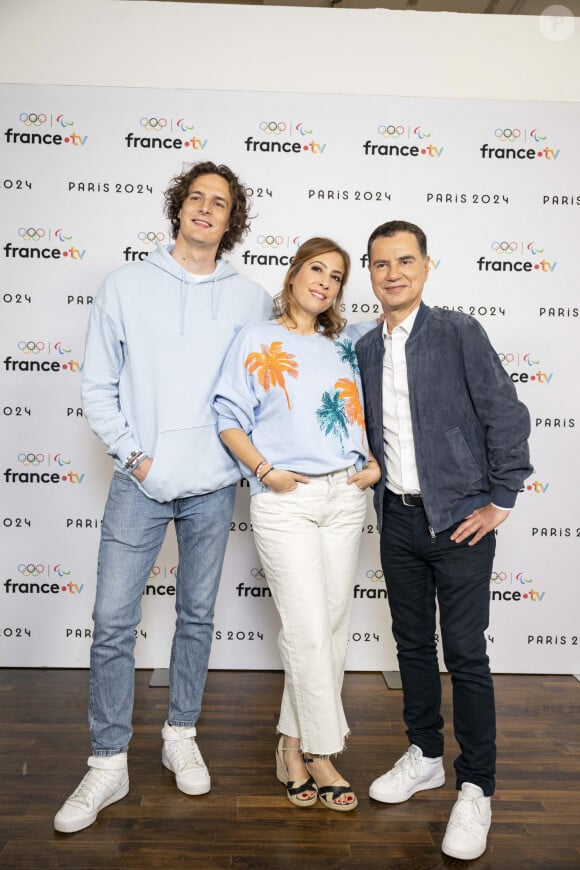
[466, 834]
[106, 782]
[412, 772]
[182, 756]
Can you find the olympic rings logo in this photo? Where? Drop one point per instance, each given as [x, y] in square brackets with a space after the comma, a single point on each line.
[259, 573]
[32, 119]
[270, 241]
[155, 570]
[507, 134]
[301, 129]
[151, 237]
[504, 247]
[375, 575]
[153, 123]
[31, 346]
[30, 570]
[31, 458]
[391, 131]
[30, 233]
[275, 127]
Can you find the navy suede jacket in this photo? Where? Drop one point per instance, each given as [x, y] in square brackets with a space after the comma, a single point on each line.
[469, 428]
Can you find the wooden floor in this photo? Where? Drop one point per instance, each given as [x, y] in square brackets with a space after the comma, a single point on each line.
[246, 821]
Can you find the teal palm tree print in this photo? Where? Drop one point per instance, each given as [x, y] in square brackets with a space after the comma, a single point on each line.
[331, 416]
[347, 354]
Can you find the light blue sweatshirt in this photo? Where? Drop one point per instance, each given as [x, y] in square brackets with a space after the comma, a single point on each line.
[298, 397]
[155, 344]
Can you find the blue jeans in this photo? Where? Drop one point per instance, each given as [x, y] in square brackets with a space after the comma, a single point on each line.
[133, 531]
[417, 572]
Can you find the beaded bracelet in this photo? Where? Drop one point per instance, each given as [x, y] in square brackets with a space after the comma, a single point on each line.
[138, 462]
[258, 466]
[131, 459]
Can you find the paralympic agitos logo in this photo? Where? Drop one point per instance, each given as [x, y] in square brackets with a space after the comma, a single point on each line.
[37, 128]
[38, 467]
[159, 133]
[42, 355]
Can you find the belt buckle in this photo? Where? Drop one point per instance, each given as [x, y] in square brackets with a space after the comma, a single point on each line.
[403, 500]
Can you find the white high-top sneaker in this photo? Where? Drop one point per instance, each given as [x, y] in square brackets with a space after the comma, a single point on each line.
[412, 772]
[107, 781]
[466, 834]
[182, 756]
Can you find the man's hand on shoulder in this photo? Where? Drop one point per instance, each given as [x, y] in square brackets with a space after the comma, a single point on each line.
[479, 523]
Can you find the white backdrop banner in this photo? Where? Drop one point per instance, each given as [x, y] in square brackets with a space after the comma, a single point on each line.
[496, 187]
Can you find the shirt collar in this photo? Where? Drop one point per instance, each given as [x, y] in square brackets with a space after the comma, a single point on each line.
[406, 325]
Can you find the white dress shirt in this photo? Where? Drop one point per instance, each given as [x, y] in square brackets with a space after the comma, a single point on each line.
[399, 447]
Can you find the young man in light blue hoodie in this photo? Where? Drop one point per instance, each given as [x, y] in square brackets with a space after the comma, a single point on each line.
[158, 332]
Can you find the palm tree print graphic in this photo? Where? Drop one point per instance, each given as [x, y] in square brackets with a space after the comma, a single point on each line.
[331, 416]
[347, 354]
[349, 395]
[270, 367]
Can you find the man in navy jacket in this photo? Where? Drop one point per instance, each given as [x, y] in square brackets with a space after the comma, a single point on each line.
[445, 423]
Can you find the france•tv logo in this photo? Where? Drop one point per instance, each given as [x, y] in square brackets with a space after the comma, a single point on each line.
[294, 138]
[403, 140]
[284, 247]
[514, 256]
[513, 143]
[36, 356]
[528, 361]
[57, 465]
[36, 126]
[514, 586]
[165, 133]
[37, 578]
[48, 238]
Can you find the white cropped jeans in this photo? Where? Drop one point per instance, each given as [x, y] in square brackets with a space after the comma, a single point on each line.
[308, 542]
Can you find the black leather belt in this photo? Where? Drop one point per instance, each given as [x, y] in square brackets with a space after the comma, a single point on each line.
[409, 499]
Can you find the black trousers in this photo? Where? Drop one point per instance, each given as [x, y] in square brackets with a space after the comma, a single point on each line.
[419, 572]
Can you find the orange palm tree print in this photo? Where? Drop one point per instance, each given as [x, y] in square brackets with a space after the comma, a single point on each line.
[271, 365]
[348, 392]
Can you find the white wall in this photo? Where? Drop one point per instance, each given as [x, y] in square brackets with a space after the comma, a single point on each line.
[190, 45]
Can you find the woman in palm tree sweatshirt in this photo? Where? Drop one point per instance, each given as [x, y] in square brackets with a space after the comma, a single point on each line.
[289, 404]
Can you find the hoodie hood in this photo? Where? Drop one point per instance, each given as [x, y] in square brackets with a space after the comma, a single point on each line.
[161, 259]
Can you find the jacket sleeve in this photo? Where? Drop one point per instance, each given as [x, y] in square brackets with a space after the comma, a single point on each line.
[505, 420]
[104, 357]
